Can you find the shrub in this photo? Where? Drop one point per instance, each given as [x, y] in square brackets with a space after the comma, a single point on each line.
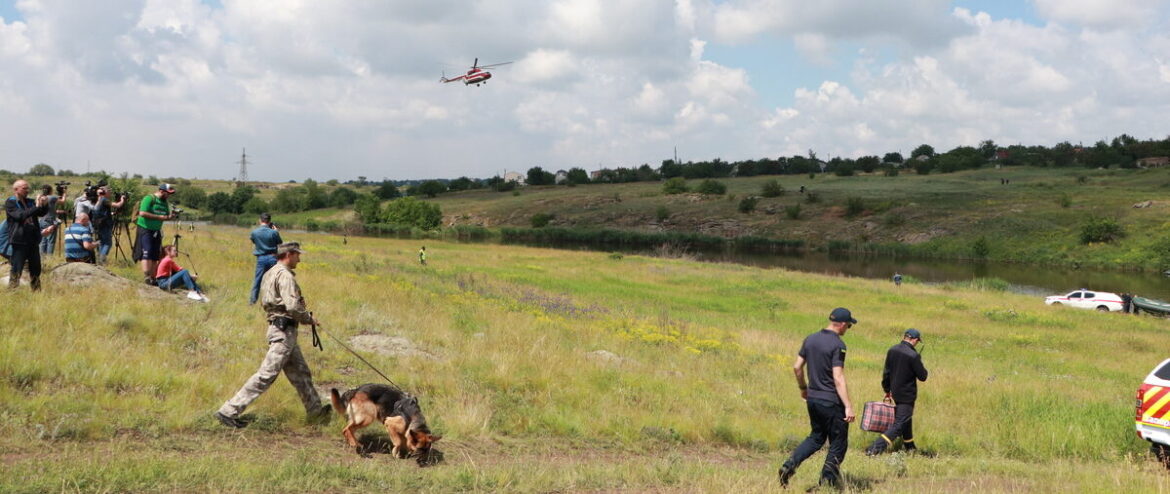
[748, 204]
[793, 212]
[712, 187]
[1064, 200]
[312, 225]
[662, 214]
[676, 185]
[1082, 180]
[980, 248]
[772, 188]
[890, 171]
[812, 198]
[413, 212]
[541, 220]
[1101, 230]
[854, 206]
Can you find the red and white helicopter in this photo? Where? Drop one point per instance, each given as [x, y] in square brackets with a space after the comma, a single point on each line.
[477, 75]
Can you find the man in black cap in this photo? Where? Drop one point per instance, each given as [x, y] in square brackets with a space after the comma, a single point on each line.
[900, 381]
[829, 409]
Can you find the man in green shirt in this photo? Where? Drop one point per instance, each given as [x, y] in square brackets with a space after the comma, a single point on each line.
[153, 210]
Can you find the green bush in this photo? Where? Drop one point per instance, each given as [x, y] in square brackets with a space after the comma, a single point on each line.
[748, 204]
[894, 219]
[890, 171]
[312, 225]
[1064, 200]
[812, 198]
[772, 188]
[793, 212]
[1101, 230]
[413, 212]
[980, 248]
[854, 206]
[676, 185]
[541, 220]
[662, 214]
[712, 187]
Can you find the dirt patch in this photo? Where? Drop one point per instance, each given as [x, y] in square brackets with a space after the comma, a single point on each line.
[394, 346]
[606, 357]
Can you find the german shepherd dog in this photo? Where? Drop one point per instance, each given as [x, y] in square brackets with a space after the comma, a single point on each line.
[394, 408]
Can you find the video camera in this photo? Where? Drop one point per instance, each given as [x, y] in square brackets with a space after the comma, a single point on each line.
[175, 209]
[61, 186]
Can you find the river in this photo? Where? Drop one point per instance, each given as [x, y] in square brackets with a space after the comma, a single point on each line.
[1023, 278]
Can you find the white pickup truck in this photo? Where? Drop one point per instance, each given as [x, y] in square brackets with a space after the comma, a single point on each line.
[1088, 299]
[1153, 411]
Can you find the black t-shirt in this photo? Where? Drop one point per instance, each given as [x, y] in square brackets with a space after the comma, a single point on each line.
[822, 351]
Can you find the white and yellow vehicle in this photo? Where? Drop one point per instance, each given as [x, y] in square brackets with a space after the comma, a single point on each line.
[1153, 411]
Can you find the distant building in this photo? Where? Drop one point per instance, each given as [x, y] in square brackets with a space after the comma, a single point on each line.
[1154, 162]
[1002, 154]
[560, 177]
[595, 174]
[514, 177]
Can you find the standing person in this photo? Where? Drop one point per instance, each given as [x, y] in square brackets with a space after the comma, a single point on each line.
[1126, 303]
[170, 275]
[829, 409]
[152, 212]
[897, 279]
[103, 221]
[285, 307]
[422, 255]
[48, 222]
[265, 238]
[24, 234]
[900, 381]
[79, 244]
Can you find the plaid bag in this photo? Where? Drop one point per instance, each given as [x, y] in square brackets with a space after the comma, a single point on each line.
[877, 416]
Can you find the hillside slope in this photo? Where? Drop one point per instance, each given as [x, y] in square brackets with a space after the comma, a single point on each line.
[549, 370]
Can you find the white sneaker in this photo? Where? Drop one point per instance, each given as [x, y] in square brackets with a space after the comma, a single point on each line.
[193, 295]
[205, 299]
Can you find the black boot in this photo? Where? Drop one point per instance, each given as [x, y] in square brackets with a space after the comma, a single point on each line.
[786, 472]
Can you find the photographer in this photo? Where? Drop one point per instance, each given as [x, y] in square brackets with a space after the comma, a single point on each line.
[24, 234]
[152, 212]
[264, 238]
[49, 221]
[103, 219]
[79, 244]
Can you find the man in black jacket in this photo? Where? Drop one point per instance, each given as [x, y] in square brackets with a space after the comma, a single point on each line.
[24, 234]
[900, 381]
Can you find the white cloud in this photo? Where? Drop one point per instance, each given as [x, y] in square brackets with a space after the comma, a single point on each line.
[1102, 14]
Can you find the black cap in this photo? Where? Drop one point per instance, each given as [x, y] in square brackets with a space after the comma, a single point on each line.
[841, 314]
[914, 333]
[265, 217]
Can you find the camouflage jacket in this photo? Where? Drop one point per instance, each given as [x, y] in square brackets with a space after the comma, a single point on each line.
[281, 297]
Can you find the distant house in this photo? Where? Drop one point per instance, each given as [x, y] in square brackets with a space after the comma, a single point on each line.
[1153, 162]
[595, 174]
[560, 177]
[1002, 154]
[514, 177]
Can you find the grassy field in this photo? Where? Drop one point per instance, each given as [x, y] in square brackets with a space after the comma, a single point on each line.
[558, 371]
[1036, 218]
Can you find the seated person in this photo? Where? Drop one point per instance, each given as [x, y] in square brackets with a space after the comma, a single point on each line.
[79, 242]
[171, 274]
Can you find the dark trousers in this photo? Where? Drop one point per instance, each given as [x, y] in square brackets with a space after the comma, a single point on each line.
[828, 422]
[903, 426]
[21, 255]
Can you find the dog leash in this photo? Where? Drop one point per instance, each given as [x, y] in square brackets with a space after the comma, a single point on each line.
[364, 361]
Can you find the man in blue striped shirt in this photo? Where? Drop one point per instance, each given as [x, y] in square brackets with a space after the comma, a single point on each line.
[79, 242]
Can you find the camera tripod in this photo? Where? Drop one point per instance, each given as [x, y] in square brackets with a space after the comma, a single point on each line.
[122, 228]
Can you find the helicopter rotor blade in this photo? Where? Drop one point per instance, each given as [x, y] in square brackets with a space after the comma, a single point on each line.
[494, 65]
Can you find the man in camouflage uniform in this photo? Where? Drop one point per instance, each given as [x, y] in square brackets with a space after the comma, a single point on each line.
[282, 302]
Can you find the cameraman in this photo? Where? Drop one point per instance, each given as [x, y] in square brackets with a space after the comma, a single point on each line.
[152, 212]
[103, 220]
[49, 221]
[24, 234]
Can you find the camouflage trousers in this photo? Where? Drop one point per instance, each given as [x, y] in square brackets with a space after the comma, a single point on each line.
[283, 355]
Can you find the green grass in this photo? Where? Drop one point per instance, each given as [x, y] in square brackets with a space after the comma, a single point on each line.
[108, 392]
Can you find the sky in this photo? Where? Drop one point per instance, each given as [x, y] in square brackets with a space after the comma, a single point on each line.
[340, 89]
